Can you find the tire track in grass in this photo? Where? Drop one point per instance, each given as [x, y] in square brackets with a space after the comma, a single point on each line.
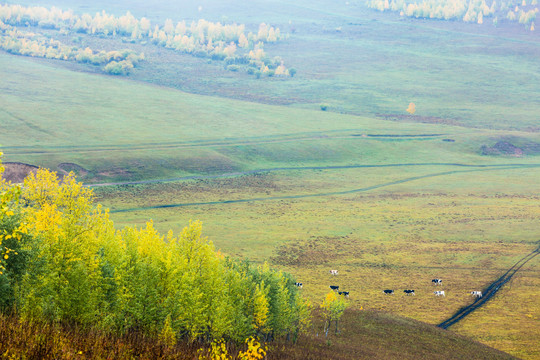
[489, 291]
[299, 168]
[290, 197]
[270, 139]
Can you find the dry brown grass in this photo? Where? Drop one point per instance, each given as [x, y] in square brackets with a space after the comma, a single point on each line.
[363, 335]
[15, 172]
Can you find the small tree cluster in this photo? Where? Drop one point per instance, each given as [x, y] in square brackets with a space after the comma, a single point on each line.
[31, 44]
[202, 38]
[63, 261]
[333, 307]
[465, 10]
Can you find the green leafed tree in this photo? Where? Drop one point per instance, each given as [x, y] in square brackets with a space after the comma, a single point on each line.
[63, 261]
[333, 308]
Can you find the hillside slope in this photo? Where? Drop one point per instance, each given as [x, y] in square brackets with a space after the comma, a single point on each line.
[364, 335]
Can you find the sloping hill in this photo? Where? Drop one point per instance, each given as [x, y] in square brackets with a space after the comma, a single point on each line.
[377, 335]
[364, 335]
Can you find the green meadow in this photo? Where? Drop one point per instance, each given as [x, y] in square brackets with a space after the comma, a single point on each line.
[388, 205]
[390, 200]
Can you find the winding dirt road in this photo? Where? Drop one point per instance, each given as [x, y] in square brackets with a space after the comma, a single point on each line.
[489, 291]
[475, 168]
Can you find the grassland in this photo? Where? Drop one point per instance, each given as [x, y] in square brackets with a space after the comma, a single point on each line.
[388, 199]
[399, 237]
[390, 211]
[359, 61]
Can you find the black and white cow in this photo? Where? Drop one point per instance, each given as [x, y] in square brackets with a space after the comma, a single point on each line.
[477, 294]
[333, 272]
[388, 292]
[439, 293]
[344, 293]
[298, 284]
[409, 292]
[437, 281]
[334, 287]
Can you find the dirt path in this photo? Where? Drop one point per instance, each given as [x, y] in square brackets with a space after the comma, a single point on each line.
[300, 168]
[308, 136]
[287, 197]
[489, 291]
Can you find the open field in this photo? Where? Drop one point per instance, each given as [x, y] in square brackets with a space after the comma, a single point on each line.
[354, 59]
[391, 205]
[397, 238]
[391, 200]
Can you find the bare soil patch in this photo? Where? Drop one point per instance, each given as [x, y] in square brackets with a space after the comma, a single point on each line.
[502, 148]
[515, 147]
[16, 172]
[66, 168]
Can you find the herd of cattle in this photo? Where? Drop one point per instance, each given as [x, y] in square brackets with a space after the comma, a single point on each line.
[477, 294]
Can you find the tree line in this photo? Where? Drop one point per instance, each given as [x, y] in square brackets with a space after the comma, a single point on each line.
[230, 43]
[63, 261]
[31, 44]
[523, 11]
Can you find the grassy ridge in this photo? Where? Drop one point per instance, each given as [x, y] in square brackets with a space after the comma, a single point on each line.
[365, 334]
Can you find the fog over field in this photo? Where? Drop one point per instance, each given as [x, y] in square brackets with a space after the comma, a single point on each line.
[394, 141]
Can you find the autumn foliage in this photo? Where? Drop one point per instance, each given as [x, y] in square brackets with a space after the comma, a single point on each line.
[62, 261]
[411, 109]
[224, 42]
[465, 10]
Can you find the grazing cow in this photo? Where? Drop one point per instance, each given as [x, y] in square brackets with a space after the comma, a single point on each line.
[478, 294]
[334, 287]
[344, 293]
[439, 293]
[388, 292]
[409, 292]
[298, 284]
[333, 272]
[437, 281]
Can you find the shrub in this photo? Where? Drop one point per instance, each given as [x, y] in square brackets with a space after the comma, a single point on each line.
[200, 54]
[123, 67]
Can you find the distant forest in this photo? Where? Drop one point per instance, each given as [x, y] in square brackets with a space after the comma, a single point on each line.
[523, 11]
[230, 43]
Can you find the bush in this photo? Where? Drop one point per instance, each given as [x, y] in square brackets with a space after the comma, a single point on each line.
[324, 107]
[118, 67]
[229, 60]
[217, 56]
[200, 54]
[233, 68]
[47, 24]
